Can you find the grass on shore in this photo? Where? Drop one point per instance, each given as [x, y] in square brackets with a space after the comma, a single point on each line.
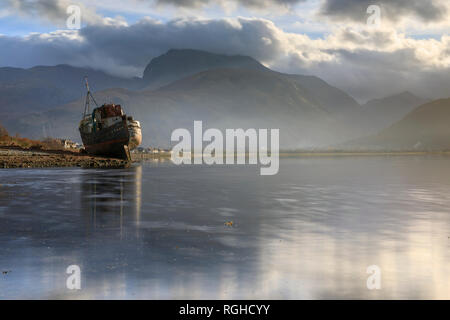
[25, 143]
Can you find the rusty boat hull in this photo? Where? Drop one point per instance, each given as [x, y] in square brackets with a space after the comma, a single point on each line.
[107, 131]
[111, 142]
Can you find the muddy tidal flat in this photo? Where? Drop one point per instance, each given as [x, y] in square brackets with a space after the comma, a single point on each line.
[22, 158]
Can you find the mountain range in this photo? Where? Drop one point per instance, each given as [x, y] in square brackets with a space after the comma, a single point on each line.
[184, 85]
[381, 113]
[424, 128]
[221, 98]
[43, 87]
[181, 63]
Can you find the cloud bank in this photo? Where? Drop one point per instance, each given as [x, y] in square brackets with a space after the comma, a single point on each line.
[54, 11]
[393, 10]
[245, 3]
[366, 62]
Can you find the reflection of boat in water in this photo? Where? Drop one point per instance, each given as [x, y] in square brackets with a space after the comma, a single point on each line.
[108, 131]
[111, 199]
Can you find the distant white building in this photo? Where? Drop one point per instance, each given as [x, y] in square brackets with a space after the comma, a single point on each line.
[68, 144]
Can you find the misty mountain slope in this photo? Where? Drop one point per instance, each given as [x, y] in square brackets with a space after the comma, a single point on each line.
[43, 87]
[381, 113]
[30, 95]
[425, 128]
[179, 63]
[248, 86]
[333, 99]
[221, 98]
[9, 74]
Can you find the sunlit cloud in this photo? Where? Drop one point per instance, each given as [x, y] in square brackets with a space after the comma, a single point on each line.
[365, 60]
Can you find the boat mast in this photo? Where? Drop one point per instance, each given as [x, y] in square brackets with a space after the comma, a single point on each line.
[89, 96]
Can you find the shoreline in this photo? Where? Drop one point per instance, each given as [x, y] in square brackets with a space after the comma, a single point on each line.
[17, 157]
[361, 153]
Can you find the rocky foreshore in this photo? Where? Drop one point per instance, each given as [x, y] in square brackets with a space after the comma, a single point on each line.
[26, 158]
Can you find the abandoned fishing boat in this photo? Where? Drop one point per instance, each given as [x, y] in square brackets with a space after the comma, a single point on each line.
[107, 130]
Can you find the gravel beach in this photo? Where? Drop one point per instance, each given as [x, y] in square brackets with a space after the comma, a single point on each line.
[20, 158]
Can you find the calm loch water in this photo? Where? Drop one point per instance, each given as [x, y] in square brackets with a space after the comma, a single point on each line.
[158, 231]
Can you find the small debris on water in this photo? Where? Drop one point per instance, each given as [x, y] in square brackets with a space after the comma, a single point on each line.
[6, 272]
